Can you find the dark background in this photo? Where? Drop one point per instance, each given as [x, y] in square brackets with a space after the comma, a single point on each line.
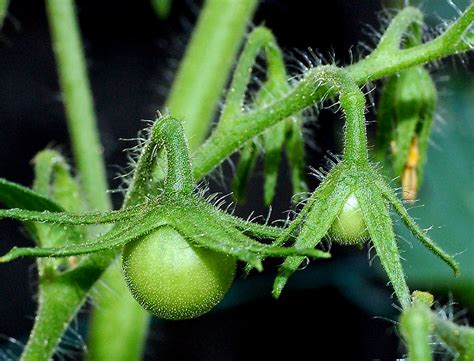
[334, 310]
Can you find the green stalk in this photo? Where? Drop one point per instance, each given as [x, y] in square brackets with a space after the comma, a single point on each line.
[53, 316]
[78, 101]
[416, 327]
[207, 63]
[119, 325]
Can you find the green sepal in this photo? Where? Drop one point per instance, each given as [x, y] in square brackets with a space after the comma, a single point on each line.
[204, 226]
[421, 235]
[248, 159]
[273, 139]
[253, 229]
[118, 236]
[323, 208]
[379, 225]
[53, 179]
[273, 142]
[295, 155]
[66, 218]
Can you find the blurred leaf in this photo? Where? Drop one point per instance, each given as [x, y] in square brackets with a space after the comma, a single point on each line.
[3, 11]
[162, 7]
[14, 195]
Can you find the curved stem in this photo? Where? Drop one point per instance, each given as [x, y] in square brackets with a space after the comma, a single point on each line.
[392, 36]
[224, 142]
[259, 38]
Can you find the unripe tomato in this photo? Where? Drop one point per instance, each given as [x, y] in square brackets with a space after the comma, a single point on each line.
[172, 279]
[349, 227]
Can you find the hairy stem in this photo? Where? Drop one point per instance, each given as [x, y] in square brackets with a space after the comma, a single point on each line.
[416, 327]
[224, 141]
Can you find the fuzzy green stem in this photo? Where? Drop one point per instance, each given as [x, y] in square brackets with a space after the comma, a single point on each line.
[458, 338]
[392, 36]
[309, 91]
[57, 304]
[207, 64]
[53, 318]
[78, 101]
[259, 38]
[416, 327]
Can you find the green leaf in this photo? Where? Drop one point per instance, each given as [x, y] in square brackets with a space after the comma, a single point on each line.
[14, 195]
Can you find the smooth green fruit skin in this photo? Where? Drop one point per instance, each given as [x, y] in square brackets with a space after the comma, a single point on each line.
[349, 227]
[172, 279]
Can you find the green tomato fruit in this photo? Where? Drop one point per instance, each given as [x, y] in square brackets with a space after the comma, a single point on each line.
[172, 279]
[349, 227]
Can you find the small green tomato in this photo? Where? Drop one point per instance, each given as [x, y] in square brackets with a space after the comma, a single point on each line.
[349, 227]
[172, 279]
